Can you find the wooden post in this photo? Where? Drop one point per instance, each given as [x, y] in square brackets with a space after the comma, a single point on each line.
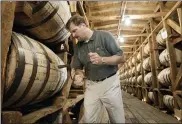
[66, 118]
[73, 7]
[170, 48]
[154, 64]
[179, 10]
[7, 11]
[143, 89]
[172, 55]
[9, 117]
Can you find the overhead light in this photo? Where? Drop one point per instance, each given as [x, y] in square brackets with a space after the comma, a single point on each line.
[127, 21]
[121, 39]
[164, 33]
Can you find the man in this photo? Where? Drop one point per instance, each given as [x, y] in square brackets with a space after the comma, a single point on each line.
[98, 53]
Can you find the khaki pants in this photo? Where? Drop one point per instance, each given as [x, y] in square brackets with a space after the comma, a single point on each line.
[101, 94]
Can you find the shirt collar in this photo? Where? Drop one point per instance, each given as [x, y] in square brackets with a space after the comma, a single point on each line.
[93, 35]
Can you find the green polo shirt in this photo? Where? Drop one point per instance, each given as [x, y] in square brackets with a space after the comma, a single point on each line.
[104, 44]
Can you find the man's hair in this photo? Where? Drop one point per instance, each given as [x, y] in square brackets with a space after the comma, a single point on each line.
[76, 20]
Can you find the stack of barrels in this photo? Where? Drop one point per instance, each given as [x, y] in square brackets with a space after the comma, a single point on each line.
[147, 65]
[138, 69]
[32, 73]
[147, 71]
[129, 72]
[164, 75]
[47, 22]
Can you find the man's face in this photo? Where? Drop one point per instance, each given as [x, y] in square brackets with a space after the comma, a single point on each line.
[77, 31]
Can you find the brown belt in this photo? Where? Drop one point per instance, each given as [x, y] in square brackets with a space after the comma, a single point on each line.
[104, 78]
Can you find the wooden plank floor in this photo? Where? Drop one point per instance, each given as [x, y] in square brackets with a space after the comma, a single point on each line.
[137, 111]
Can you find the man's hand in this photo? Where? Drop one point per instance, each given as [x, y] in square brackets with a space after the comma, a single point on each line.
[95, 58]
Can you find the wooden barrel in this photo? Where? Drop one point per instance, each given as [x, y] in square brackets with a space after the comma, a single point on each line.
[125, 74]
[130, 72]
[123, 81]
[133, 60]
[127, 81]
[134, 80]
[130, 63]
[151, 96]
[133, 71]
[164, 77]
[139, 80]
[146, 50]
[122, 70]
[32, 73]
[164, 57]
[139, 68]
[47, 23]
[168, 101]
[79, 83]
[139, 56]
[121, 77]
[159, 38]
[130, 80]
[147, 64]
[148, 78]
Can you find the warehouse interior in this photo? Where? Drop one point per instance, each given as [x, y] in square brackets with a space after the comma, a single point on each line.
[36, 52]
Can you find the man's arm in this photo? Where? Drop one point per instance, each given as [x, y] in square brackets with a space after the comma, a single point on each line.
[111, 60]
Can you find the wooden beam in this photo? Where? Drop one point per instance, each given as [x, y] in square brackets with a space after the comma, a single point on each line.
[157, 7]
[38, 114]
[127, 32]
[103, 18]
[135, 35]
[147, 16]
[134, 25]
[67, 86]
[170, 49]
[153, 62]
[125, 46]
[127, 51]
[73, 6]
[114, 26]
[9, 117]
[7, 18]
[122, 11]
[133, 16]
[179, 10]
[107, 26]
[103, 23]
[174, 25]
[80, 5]
[104, 6]
[130, 6]
[178, 79]
[124, 28]
[107, 12]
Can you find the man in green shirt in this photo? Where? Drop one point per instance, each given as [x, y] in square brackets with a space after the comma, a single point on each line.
[98, 53]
